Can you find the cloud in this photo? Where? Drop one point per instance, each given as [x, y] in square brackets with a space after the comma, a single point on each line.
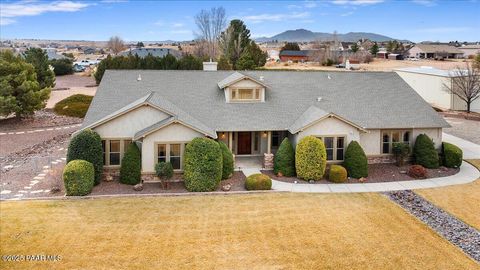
[113, 1]
[177, 25]
[357, 2]
[442, 30]
[31, 8]
[347, 14]
[310, 4]
[427, 3]
[271, 17]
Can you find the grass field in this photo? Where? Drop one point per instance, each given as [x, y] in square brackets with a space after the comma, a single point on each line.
[463, 201]
[263, 231]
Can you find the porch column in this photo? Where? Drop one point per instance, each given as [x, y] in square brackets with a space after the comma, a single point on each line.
[269, 142]
[230, 141]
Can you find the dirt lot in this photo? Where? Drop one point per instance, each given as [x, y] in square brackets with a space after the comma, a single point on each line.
[74, 80]
[377, 65]
[69, 85]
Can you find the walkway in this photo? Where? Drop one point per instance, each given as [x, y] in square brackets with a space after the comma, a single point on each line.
[470, 150]
[467, 174]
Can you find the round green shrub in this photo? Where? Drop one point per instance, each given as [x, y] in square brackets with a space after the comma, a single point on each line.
[452, 155]
[337, 174]
[131, 166]
[76, 105]
[355, 161]
[203, 165]
[310, 158]
[164, 170]
[258, 182]
[284, 161]
[425, 153]
[227, 165]
[78, 177]
[87, 145]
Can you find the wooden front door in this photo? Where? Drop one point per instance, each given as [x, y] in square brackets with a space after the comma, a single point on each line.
[244, 143]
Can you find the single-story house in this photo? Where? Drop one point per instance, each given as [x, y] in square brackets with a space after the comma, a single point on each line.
[53, 55]
[469, 50]
[429, 83]
[253, 111]
[295, 56]
[426, 51]
[157, 52]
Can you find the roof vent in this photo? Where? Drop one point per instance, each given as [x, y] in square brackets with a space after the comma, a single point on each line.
[262, 78]
[328, 76]
[139, 78]
[319, 99]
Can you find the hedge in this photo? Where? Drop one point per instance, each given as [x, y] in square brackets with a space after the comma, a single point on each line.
[203, 165]
[425, 153]
[78, 177]
[355, 161]
[164, 170]
[337, 174]
[87, 145]
[227, 166]
[284, 160]
[452, 155]
[310, 158]
[258, 181]
[131, 166]
[76, 106]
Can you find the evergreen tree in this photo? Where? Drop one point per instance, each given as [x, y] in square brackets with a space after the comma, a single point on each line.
[374, 49]
[39, 59]
[290, 46]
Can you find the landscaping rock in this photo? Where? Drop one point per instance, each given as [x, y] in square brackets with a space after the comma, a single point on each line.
[108, 178]
[268, 161]
[55, 189]
[138, 187]
[226, 187]
[362, 180]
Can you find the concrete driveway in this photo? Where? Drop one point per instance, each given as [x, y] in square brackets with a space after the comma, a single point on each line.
[470, 150]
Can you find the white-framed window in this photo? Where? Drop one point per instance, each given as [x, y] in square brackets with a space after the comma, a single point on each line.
[171, 152]
[389, 137]
[113, 151]
[335, 147]
[245, 94]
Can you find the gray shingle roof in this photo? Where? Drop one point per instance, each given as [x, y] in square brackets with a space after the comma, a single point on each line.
[157, 52]
[434, 48]
[368, 99]
[295, 53]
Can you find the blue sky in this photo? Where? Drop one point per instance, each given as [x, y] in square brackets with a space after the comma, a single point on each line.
[416, 20]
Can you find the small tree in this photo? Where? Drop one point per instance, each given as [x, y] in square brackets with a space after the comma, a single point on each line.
[246, 62]
[355, 161]
[164, 171]
[425, 153]
[227, 166]
[20, 92]
[465, 84]
[130, 170]
[290, 46]
[284, 161]
[116, 44]
[190, 62]
[87, 145]
[354, 47]
[140, 44]
[310, 158]
[374, 49]
[401, 151]
[224, 64]
[39, 59]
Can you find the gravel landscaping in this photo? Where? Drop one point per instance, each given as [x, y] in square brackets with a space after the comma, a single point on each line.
[41, 119]
[377, 173]
[454, 230]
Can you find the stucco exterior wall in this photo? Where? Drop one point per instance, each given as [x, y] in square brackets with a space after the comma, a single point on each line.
[370, 142]
[173, 133]
[127, 125]
[434, 133]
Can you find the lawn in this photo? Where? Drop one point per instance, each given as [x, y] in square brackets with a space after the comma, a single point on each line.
[463, 201]
[261, 231]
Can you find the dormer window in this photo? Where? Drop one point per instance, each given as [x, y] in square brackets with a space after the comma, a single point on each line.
[245, 94]
[242, 88]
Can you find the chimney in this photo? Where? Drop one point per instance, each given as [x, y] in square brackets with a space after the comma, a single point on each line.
[210, 66]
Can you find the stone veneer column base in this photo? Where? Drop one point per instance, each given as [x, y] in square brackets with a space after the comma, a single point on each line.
[268, 161]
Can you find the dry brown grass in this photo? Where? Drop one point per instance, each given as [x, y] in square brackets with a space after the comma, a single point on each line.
[263, 231]
[463, 201]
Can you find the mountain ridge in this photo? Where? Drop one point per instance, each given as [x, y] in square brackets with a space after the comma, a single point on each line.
[304, 35]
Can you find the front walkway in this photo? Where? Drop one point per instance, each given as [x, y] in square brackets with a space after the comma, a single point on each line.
[470, 149]
[467, 174]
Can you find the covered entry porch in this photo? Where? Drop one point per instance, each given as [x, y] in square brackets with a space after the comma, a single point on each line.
[252, 143]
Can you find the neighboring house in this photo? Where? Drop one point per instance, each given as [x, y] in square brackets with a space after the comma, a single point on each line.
[89, 51]
[157, 52]
[426, 51]
[429, 83]
[295, 56]
[469, 50]
[52, 54]
[253, 111]
[273, 54]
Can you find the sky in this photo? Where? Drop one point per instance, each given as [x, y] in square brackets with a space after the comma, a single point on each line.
[415, 20]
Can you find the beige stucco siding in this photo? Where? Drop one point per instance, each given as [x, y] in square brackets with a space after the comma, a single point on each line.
[245, 84]
[434, 133]
[328, 127]
[370, 142]
[125, 126]
[173, 133]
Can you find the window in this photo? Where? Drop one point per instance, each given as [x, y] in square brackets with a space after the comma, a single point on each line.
[275, 138]
[162, 153]
[335, 147]
[175, 156]
[115, 152]
[245, 94]
[389, 137]
[172, 153]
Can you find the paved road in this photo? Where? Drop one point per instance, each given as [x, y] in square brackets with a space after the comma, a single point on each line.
[470, 150]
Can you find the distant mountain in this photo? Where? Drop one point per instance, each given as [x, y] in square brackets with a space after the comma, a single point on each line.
[303, 35]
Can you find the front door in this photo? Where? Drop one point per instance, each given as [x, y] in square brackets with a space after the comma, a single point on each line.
[244, 143]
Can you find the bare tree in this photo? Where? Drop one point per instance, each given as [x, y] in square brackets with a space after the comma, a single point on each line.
[210, 25]
[465, 84]
[116, 44]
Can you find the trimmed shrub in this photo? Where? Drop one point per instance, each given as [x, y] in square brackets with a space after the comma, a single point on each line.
[425, 153]
[417, 171]
[131, 168]
[310, 158]
[258, 181]
[203, 165]
[78, 177]
[76, 105]
[355, 161]
[62, 66]
[337, 174]
[164, 171]
[87, 145]
[284, 160]
[227, 166]
[401, 151]
[452, 155]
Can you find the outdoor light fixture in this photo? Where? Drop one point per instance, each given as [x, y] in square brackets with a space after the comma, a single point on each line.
[264, 134]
